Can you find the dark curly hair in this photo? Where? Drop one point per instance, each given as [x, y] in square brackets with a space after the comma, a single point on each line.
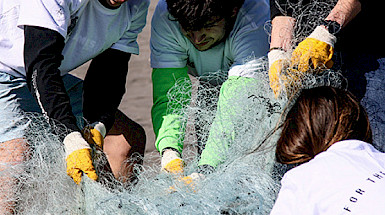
[195, 14]
[319, 118]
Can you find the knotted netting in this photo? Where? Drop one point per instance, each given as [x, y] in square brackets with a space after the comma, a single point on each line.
[240, 125]
[244, 128]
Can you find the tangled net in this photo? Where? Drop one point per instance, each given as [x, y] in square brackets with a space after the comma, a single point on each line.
[246, 182]
[244, 128]
[307, 14]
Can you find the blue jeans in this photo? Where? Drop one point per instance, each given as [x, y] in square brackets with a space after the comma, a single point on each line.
[366, 80]
[16, 99]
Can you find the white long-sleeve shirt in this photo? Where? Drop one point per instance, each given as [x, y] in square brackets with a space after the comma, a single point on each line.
[88, 27]
[348, 178]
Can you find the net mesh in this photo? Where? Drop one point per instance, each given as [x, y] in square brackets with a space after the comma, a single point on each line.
[307, 14]
[243, 128]
[247, 181]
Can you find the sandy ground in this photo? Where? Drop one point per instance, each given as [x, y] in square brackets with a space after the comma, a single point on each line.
[137, 100]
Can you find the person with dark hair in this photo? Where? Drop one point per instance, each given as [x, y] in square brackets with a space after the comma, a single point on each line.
[205, 39]
[327, 132]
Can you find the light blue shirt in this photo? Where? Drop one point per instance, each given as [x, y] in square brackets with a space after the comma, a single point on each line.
[247, 40]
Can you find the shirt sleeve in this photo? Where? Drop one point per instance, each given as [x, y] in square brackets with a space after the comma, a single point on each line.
[288, 197]
[128, 41]
[166, 112]
[51, 14]
[233, 103]
[166, 43]
[101, 103]
[251, 40]
[222, 131]
[42, 58]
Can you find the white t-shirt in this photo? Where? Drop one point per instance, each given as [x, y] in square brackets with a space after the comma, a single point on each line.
[248, 39]
[348, 178]
[88, 27]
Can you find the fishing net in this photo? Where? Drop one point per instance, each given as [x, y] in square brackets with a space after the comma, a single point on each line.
[44, 188]
[245, 182]
[307, 14]
[241, 128]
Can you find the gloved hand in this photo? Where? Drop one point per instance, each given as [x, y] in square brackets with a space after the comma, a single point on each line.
[192, 179]
[279, 61]
[189, 181]
[95, 134]
[172, 162]
[78, 157]
[317, 50]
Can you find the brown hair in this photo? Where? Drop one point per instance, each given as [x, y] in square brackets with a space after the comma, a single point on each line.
[319, 118]
[194, 14]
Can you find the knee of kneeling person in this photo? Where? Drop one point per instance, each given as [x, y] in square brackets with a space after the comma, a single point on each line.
[126, 136]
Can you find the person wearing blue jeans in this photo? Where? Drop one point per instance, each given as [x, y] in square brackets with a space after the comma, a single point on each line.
[365, 73]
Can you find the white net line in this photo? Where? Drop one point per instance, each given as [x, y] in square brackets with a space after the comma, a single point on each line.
[246, 182]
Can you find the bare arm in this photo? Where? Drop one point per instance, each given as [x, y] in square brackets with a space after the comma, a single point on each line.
[282, 32]
[283, 26]
[344, 11]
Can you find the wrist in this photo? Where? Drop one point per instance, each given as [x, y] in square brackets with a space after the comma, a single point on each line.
[277, 48]
[277, 54]
[333, 27]
[168, 155]
[197, 176]
[169, 149]
[74, 141]
[322, 34]
[99, 126]
[205, 169]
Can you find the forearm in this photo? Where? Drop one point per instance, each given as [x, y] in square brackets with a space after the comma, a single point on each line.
[344, 11]
[104, 86]
[232, 104]
[42, 58]
[282, 32]
[167, 112]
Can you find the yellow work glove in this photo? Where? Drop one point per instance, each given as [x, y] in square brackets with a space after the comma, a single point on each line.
[315, 52]
[172, 162]
[192, 179]
[279, 61]
[95, 134]
[78, 157]
[189, 181]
